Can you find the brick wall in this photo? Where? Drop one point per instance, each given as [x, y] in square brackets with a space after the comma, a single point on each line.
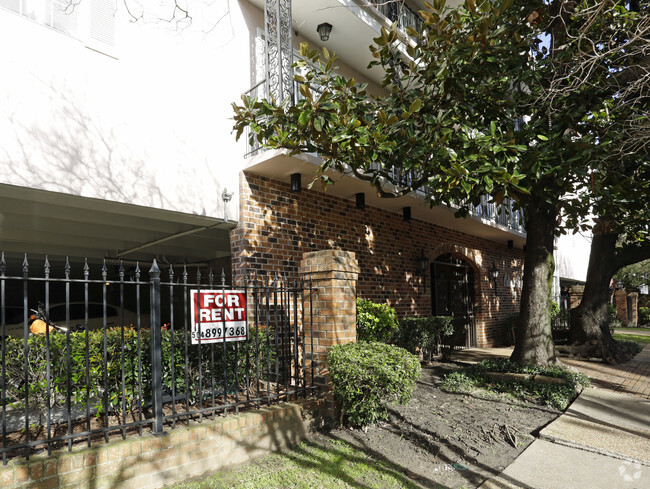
[333, 309]
[620, 301]
[278, 226]
[150, 462]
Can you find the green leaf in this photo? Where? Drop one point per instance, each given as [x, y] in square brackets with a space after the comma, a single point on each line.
[411, 32]
[541, 137]
[305, 117]
[305, 92]
[319, 122]
[415, 105]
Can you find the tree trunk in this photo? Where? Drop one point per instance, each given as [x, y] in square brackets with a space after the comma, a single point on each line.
[589, 334]
[533, 337]
[589, 319]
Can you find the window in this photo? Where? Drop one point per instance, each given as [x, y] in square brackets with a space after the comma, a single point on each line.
[86, 20]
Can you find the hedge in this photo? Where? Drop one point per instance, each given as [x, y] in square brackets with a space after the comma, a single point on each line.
[86, 382]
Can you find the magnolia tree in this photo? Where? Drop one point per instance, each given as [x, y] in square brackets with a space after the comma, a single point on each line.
[466, 113]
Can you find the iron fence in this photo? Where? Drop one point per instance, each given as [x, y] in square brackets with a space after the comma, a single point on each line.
[115, 355]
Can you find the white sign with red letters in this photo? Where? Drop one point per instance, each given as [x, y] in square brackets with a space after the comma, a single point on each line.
[218, 313]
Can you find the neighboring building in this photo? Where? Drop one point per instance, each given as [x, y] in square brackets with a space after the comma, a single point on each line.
[116, 144]
[571, 263]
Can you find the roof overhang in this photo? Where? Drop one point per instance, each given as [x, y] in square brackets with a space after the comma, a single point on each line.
[59, 225]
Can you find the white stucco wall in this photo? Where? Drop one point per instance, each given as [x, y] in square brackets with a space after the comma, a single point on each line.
[149, 126]
[571, 259]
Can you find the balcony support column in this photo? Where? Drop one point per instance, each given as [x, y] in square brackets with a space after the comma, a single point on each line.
[279, 49]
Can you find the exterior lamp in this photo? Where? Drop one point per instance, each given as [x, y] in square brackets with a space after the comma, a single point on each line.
[296, 183]
[423, 265]
[361, 200]
[324, 30]
[494, 275]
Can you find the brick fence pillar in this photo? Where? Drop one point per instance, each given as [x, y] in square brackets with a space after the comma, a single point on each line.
[333, 276]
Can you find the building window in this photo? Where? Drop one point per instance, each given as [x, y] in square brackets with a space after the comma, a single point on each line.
[86, 20]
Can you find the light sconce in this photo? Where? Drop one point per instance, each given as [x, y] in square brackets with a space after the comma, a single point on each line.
[324, 30]
[423, 265]
[296, 182]
[361, 200]
[494, 275]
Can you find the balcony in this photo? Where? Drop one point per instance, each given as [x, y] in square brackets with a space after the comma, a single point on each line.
[398, 12]
[355, 23]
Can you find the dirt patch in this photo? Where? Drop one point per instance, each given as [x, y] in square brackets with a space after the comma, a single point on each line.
[443, 440]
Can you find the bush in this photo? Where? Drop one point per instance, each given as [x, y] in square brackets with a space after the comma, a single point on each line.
[423, 333]
[87, 381]
[368, 375]
[559, 317]
[644, 316]
[375, 322]
[612, 318]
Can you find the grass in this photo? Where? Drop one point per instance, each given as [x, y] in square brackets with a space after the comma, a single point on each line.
[334, 463]
[641, 339]
[554, 395]
[634, 329]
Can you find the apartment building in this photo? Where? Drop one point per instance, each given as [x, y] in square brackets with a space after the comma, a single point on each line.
[116, 145]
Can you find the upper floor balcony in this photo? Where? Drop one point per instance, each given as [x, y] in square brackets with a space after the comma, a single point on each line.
[355, 23]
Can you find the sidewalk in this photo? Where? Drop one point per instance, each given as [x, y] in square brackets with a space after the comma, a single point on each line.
[601, 441]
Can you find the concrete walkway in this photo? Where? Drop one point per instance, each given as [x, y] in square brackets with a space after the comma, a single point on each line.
[601, 441]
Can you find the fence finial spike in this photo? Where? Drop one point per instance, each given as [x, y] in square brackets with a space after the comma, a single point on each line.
[46, 266]
[211, 276]
[3, 264]
[121, 270]
[223, 276]
[137, 271]
[154, 268]
[171, 273]
[86, 268]
[25, 265]
[104, 270]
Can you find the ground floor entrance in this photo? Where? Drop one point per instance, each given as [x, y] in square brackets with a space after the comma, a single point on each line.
[453, 294]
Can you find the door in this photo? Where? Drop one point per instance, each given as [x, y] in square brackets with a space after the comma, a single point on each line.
[453, 294]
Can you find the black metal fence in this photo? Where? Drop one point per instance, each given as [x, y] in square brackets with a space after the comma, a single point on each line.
[94, 354]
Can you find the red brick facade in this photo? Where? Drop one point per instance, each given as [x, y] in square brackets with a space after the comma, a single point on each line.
[278, 226]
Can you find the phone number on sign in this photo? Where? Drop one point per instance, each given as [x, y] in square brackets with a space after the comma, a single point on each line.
[213, 335]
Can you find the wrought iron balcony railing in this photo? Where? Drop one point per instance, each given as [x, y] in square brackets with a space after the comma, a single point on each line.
[398, 12]
[502, 215]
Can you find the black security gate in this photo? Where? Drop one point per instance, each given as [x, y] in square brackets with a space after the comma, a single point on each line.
[453, 295]
[115, 353]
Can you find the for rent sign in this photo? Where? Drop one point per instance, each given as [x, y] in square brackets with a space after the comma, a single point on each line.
[218, 313]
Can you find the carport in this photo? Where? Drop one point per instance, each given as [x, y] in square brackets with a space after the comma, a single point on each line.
[37, 223]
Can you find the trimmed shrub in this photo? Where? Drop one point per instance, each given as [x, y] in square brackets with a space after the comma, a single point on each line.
[86, 379]
[375, 322]
[368, 375]
[423, 333]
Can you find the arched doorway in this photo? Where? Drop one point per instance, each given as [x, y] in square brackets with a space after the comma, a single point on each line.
[453, 293]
